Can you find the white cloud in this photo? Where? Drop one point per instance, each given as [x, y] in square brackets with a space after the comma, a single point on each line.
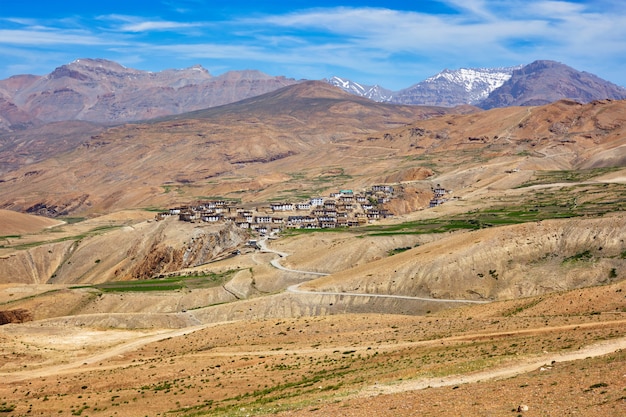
[126, 23]
[40, 37]
[149, 26]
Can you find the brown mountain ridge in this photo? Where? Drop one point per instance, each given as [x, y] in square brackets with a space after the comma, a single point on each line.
[101, 91]
[289, 140]
[254, 143]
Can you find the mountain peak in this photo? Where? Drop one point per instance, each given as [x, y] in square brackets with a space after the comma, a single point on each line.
[99, 65]
[455, 87]
[373, 92]
[545, 81]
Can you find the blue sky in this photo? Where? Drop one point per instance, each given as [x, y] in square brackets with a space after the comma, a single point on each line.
[391, 43]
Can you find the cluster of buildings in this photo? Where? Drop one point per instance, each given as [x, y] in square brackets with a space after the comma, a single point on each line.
[439, 196]
[342, 209]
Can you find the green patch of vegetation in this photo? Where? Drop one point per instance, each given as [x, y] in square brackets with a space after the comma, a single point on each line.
[30, 245]
[295, 232]
[442, 225]
[28, 297]
[398, 250]
[278, 395]
[336, 174]
[95, 231]
[6, 407]
[166, 284]
[579, 175]
[79, 411]
[521, 308]
[72, 220]
[297, 176]
[581, 256]
[11, 237]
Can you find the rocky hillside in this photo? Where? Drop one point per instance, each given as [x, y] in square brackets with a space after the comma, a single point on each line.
[115, 253]
[543, 82]
[19, 315]
[23, 147]
[493, 264]
[256, 143]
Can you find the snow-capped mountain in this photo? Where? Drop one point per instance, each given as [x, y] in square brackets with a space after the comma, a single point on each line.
[455, 87]
[448, 88]
[376, 92]
[539, 82]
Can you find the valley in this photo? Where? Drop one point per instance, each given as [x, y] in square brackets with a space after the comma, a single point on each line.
[507, 298]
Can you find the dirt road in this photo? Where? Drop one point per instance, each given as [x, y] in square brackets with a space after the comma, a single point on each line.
[296, 290]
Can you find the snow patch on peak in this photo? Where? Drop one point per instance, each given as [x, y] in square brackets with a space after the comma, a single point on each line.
[477, 82]
[375, 92]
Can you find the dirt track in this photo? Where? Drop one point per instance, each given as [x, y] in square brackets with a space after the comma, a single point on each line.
[296, 290]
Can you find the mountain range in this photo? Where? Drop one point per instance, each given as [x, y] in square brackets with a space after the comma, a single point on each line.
[102, 91]
[540, 82]
[105, 92]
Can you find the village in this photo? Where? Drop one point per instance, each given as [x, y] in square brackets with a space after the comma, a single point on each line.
[344, 208]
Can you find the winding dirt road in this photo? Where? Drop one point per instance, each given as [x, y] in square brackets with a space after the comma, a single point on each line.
[295, 289]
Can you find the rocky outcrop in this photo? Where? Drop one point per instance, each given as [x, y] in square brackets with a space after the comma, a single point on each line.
[15, 316]
[201, 246]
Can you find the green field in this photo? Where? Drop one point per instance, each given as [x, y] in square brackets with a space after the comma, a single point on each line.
[166, 284]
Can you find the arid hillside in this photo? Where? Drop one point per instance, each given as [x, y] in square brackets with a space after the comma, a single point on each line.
[505, 262]
[307, 140]
[559, 354]
[112, 250]
[236, 150]
[497, 287]
[14, 223]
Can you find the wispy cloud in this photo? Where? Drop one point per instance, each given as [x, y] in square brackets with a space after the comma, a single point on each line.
[137, 24]
[39, 37]
[366, 43]
[156, 26]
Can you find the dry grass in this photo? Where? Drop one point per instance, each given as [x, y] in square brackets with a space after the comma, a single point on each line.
[310, 363]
